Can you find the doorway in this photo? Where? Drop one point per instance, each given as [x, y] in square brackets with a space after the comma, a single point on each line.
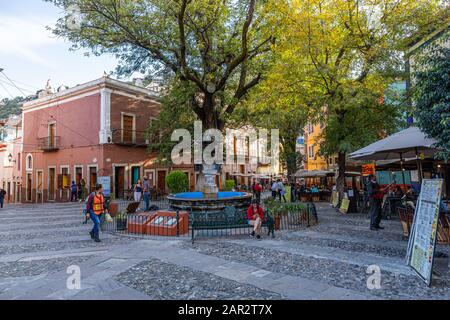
[92, 178]
[51, 184]
[78, 174]
[135, 175]
[39, 186]
[162, 181]
[119, 183]
[29, 186]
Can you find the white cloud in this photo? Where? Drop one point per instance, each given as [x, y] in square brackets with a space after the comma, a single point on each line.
[22, 37]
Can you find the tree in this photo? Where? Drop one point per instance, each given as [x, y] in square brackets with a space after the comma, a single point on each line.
[338, 57]
[267, 108]
[431, 95]
[11, 106]
[218, 48]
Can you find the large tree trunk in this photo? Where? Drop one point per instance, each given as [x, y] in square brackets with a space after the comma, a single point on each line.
[340, 181]
[210, 120]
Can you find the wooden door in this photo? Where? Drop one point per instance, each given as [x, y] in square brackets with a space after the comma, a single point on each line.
[51, 184]
[78, 175]
[52, 135]
[120, 181]
[29, 186]
[162, 181]
[127, 129]
[92, 178]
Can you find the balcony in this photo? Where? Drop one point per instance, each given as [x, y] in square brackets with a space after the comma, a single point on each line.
[49, 143]
[133, 138]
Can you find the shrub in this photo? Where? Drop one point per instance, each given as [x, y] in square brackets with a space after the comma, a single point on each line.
[177, 181]
[229, 185]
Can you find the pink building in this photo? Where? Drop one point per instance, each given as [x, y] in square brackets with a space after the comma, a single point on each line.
[10, 157]
[92, 130]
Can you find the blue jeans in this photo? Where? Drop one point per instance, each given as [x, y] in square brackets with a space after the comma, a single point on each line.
[96, 219]
[1, 202]
[147, 200]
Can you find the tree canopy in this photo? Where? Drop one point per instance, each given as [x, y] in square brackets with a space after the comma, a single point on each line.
[219, 48]
[431, 95]
[337, 57]
[11, 106]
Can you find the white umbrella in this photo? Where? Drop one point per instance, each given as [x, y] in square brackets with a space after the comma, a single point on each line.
[407, 143]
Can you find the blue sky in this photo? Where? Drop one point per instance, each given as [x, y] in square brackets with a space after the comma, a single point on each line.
[31, 55]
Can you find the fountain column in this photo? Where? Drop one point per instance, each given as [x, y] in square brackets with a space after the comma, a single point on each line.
[210, 189]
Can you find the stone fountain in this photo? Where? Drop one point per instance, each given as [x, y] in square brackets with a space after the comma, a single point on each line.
[209, 198]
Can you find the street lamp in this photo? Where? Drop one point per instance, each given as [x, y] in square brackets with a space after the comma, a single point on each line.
[10, 158]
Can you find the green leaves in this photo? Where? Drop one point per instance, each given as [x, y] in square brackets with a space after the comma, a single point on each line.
[431, 94]
[177, 181]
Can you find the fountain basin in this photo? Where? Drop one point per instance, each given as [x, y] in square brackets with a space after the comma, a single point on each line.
[198, 201]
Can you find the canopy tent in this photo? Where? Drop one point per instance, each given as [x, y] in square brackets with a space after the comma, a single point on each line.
[408, 143]
[312, 173]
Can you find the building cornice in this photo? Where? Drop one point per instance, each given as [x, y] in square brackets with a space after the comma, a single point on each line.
[92, 86]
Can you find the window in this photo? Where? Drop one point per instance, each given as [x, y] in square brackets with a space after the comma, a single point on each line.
[29, 162]
[311, 152]
[128, 133]
[310, 128]
[52, 135]
[18, 161]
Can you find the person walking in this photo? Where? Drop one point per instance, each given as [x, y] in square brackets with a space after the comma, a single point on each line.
[2, 197]
[74, 192]
[138, 191]
[274, 189]
[255, 215]
[147, 190]
[79, 191]
[83, 189]
[281, 190]
[375, 197]
[96, 207]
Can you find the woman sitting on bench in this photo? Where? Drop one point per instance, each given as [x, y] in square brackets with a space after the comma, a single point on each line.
[255, 216]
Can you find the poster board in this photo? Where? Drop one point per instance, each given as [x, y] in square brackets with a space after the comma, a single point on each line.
[422, 241]
[288, 193]
[344, 205]
[106, 184]
[335, 199]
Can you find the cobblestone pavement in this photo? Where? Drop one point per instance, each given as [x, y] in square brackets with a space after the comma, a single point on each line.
[327, 261]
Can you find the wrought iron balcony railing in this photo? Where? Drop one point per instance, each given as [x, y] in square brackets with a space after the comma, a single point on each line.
[49, 143]
[129, 137]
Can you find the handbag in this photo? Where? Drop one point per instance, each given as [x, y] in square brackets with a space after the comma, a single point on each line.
[108, 218]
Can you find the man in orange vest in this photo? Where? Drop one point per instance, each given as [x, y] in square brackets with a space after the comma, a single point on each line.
[96, 206]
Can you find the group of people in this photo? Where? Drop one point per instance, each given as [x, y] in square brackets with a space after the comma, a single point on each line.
[278, 190]
[78, 191]
[142, 190]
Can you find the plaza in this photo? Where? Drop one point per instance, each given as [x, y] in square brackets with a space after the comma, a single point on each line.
[326, 261]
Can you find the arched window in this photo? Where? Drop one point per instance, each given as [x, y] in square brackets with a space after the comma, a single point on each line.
[29, 162]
